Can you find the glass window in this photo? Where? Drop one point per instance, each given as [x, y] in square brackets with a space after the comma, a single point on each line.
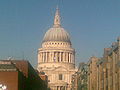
[60, 76]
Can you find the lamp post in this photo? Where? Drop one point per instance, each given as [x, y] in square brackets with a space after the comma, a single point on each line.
[3, 87]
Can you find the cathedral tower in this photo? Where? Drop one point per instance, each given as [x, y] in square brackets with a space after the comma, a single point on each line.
[57, 57]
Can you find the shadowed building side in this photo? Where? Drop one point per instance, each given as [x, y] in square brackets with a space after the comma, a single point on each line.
[20, 75]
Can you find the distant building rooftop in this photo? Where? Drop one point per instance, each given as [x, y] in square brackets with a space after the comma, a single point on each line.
[7, 66]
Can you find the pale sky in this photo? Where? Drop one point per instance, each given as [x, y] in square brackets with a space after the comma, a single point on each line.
[92, 24]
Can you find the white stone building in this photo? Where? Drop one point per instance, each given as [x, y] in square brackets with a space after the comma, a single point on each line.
[56, 57]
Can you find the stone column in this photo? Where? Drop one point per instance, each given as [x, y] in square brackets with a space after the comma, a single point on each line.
[119, 59]
[72, 58]
[113, 59]
[43, 56]
[98, 77]
[65, 88]
[104, 70]
[90, 80]
[69, 58]
[54, 88]
[59, 87]
[60, 56]
[56, 57]
[109, 77]
[52, 56]
[119, 78]
[63, 56]
[46, 56]
[39, 59]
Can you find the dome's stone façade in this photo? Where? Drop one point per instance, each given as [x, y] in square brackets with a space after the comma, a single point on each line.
[57, 33]
[56, 57]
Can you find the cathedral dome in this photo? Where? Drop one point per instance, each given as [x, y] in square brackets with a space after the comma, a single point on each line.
[57, 33]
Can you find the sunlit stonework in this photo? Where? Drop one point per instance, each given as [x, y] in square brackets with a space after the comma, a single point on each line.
[57, 57]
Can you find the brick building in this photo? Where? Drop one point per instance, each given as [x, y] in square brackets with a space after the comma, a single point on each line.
[11, 77]
[19, 75]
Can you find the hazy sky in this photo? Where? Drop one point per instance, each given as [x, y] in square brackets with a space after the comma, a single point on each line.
[92, 24]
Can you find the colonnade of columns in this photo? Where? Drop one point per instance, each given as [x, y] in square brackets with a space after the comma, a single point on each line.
[59, 87]
[56, 57]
